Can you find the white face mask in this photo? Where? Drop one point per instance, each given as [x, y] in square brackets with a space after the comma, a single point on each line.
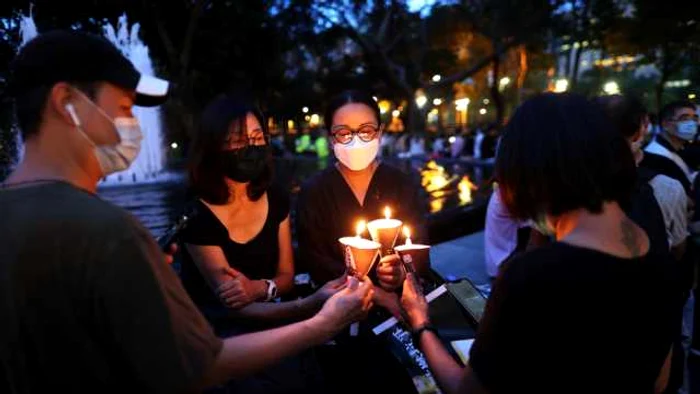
[357, 155]
[686, 130]
[114, 158]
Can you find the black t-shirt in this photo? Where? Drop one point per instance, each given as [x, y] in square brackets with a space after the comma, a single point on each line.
[328, 210]
[645, 211]
[256, 259]
[564, 319]
[87, 301]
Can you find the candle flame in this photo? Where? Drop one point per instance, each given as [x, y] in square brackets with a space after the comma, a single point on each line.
[407, 234]
[360, 228]
[387, 213]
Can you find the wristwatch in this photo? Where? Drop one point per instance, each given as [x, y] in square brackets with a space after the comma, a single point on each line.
[271, 289]
[416, 333]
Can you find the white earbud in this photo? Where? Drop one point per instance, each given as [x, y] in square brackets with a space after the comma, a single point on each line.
[71, 110]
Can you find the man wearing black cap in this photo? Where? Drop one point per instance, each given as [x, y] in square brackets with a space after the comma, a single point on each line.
[87, 301]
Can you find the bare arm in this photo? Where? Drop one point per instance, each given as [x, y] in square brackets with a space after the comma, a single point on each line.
[664, 374]
[447, 371]
[212, 263]
[248, 353]
[292, 310]
[242, 355]
[451, 377]
[285, 268]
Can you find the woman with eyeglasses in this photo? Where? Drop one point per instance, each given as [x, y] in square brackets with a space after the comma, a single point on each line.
[238, 244]
[358, 186]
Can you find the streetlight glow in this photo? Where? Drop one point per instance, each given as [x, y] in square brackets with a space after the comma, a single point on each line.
[314, 120]
[437, 78]
[483, 111]
[174, 145]
[504, 82]
[305, 110]
[691, 96]
[611, 87]
[437, 101]
[421, 100]
[462, 104]
[395, 113]
[561, 85]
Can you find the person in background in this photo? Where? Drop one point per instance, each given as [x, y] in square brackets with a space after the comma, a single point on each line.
[478, 142]
[490, 141]
[330, 204]
[679, 126]
[503, 235]
[88, 302]
[630, 119]
[304, 145]
[439, 146]
[457, 146]
[659, 205]
[417, 146]
[570, 175]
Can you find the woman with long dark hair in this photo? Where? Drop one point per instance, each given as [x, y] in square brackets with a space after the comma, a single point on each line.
[594, 312]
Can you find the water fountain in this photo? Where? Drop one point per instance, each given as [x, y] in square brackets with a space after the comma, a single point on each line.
[149, 163]
[148, 167]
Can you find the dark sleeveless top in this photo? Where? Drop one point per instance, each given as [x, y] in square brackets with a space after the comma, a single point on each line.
[256, 259]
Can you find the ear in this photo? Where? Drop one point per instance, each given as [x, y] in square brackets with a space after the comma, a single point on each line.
[61, 101]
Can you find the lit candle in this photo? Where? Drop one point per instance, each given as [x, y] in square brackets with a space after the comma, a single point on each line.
[385, 231]
[407, 234]
[360, 228]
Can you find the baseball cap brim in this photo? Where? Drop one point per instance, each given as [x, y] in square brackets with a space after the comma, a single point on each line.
[151, 91]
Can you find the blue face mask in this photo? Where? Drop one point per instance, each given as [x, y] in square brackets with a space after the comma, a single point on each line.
[686, 130]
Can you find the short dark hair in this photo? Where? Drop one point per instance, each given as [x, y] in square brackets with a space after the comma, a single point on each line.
[350, 97]
[669, 110]
[558, 153]
[206, 174]
[29, 106]
[625, 112]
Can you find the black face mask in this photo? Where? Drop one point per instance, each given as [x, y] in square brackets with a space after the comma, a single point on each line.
[245, 164]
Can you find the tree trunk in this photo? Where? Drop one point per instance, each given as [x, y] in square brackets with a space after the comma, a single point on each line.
[574, 73]
[496, 95]
[522, 72]
[415, 119]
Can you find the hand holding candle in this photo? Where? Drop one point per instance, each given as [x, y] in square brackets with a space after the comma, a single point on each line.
[360, 253]
[415, 257]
